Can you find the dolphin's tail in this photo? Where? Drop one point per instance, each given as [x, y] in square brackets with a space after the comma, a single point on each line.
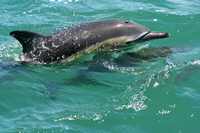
[28, 39]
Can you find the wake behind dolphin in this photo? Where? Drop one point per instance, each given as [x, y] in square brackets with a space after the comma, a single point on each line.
[75, 41]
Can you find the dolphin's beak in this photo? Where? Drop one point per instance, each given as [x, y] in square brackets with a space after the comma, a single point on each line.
[154, 35]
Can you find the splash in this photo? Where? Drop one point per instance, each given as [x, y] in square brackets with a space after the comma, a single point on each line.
[10, 51]
[136, 102]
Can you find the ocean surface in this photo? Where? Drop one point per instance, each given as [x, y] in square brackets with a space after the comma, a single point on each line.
[103, 91]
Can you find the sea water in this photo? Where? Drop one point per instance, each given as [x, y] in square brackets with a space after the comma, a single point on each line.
[106, 91]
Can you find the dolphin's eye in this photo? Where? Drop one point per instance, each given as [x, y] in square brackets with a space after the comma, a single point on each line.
[126, 22]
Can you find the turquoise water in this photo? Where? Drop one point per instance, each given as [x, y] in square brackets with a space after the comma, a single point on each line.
[110, 93]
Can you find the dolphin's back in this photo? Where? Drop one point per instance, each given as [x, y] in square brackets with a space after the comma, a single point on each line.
[99, 31]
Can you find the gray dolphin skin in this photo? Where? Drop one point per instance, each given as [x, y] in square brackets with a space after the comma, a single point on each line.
[75, 41]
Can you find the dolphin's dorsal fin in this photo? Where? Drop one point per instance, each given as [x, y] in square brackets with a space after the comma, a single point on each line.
[28, 39]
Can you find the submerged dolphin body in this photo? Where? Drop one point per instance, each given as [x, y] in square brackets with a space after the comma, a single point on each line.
[73, 42]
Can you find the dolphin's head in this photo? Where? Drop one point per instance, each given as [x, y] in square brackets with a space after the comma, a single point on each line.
[137, 33]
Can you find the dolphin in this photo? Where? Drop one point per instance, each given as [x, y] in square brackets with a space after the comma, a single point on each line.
[75, 41]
